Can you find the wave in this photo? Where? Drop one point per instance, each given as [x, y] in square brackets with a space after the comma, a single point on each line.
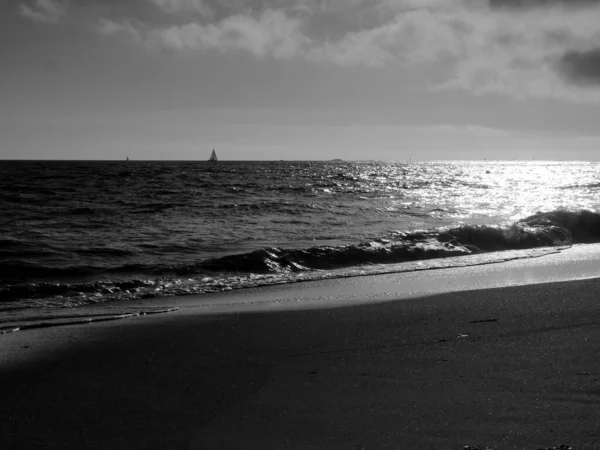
[48, 289]
[105, 251]
[16, 248]
[19, 269]
[560, 227]
[82, 211]
[582, 186]
[16, 270]
[548, 229]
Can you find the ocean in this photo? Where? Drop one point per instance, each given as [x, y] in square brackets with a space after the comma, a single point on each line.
[80, 232]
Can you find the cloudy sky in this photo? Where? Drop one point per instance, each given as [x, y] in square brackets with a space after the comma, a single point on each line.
[300, 79]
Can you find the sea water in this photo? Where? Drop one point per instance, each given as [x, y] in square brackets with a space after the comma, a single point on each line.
[78, 232]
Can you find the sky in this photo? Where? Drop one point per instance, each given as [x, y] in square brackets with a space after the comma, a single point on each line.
[300, 79]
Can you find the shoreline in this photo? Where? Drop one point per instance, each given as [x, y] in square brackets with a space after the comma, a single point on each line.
[488, 270]
[116, 274]
[389, 361]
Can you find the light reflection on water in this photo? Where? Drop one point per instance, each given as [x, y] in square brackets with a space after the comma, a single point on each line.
[90, 221]
[167, 213]
[348, 201]
[493, 192]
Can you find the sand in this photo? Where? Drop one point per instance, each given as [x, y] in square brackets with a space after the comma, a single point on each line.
[512, 367]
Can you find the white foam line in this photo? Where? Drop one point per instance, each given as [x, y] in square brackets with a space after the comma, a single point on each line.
[576, 263]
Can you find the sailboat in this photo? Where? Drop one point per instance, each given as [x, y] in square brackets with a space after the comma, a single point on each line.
[213, 157]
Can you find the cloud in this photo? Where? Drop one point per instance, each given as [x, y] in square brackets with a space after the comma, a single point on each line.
[199, 7]
[523, 53]
[522, 48]
[581, 67]
[44, 11]
[417, 36]
[525, 4]
[111, 28]
[485, 48]
[271, 34]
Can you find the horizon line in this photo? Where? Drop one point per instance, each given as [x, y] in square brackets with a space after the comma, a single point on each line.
[294, 160]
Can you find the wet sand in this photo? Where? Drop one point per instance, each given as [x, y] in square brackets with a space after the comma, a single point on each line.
[508, 368]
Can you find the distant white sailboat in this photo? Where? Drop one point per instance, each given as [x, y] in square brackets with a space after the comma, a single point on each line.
[213, 157]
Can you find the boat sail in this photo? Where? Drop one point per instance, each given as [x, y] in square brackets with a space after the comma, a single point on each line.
[213, 156]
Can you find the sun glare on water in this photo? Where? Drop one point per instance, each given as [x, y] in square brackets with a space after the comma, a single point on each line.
[532, 186]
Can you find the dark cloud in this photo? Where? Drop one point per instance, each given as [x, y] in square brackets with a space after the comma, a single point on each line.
[526, 4]
[581, 67]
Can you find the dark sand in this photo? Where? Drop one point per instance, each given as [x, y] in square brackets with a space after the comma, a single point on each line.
[509, 368]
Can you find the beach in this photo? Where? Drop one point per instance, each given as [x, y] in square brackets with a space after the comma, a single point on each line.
[300, 225]
[501, 355]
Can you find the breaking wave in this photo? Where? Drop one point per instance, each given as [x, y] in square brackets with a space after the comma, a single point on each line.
[547, 229]
[268, 265]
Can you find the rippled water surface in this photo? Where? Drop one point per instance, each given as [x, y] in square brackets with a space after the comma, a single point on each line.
[128, 222]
